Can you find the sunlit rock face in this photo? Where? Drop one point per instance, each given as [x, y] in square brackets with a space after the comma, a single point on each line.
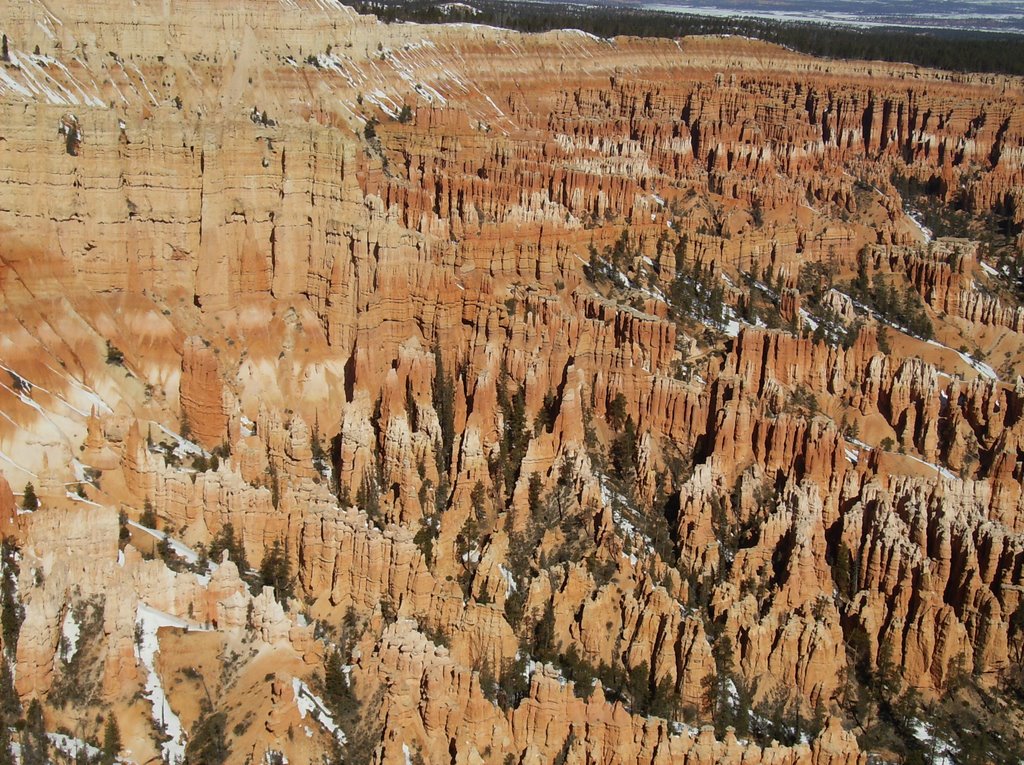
[442, 392]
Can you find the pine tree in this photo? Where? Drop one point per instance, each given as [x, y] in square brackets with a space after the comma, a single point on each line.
[275, 572]
[623, 452]
[111, 741]
[10, 704]
[535, 487]
[444, 405]
[12, 614]
[544, 635]
[368, 498]
[640, 687]
[861, 287]
[227, 542]
[148, 517]
[6, 758]
[34, 744]
[616, 414]
[29, 500]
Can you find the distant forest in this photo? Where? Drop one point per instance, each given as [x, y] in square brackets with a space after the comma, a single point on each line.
[956, 50]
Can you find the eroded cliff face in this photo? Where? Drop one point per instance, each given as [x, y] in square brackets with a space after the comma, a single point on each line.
[571, 413]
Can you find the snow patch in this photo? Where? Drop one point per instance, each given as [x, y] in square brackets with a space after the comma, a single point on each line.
[918, 221]
[78, 498]
[311, 704]
[944, 472]
[942, 752]
[180, 548]
[510, 581]
[979, 366]
[70, 633]
[183, 447]
[148, 621]
[71, 746]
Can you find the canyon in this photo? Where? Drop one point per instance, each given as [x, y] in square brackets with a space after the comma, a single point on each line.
[406, 393]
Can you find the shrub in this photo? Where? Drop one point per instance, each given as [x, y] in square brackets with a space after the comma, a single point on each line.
[114, 354]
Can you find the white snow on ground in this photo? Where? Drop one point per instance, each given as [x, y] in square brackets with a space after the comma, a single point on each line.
[510, 581]
[944, 472]
[916, 218]
[495, 106]
[810, 322]
[311, 704]
[937, 468]
[987, 268]
[407, 753]
[92, 397]
[732, 328]
[979, 366]
[584, 33]
[942, 753]
[70, 633]
[184, 446]
[852, 456]
[74, 496]
[529, 668]
[180, 548]
[449, 7]
[30, 402]
[71, 746]
[626, 527]
[149, 621]
[57, 396]
[248, 427]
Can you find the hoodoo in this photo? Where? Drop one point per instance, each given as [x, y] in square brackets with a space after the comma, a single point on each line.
[398, 393]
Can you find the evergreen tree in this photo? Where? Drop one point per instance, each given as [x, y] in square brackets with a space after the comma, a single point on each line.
[861, 287]
[6, 757]
[882, 337]
[640, 687]
[12, 614]
[616, 415]
[544, 635]
[207, 742]
[148, 517]
[368, 498]
[444, 405]
[623, 453]
[226, 541]
[111, 741]
[514, 439]
[534, 494]
[275, 572]
[34, 744]
[10, 704]
[29, 501]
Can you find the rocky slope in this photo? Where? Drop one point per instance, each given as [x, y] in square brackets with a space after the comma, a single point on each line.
[396, 393]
